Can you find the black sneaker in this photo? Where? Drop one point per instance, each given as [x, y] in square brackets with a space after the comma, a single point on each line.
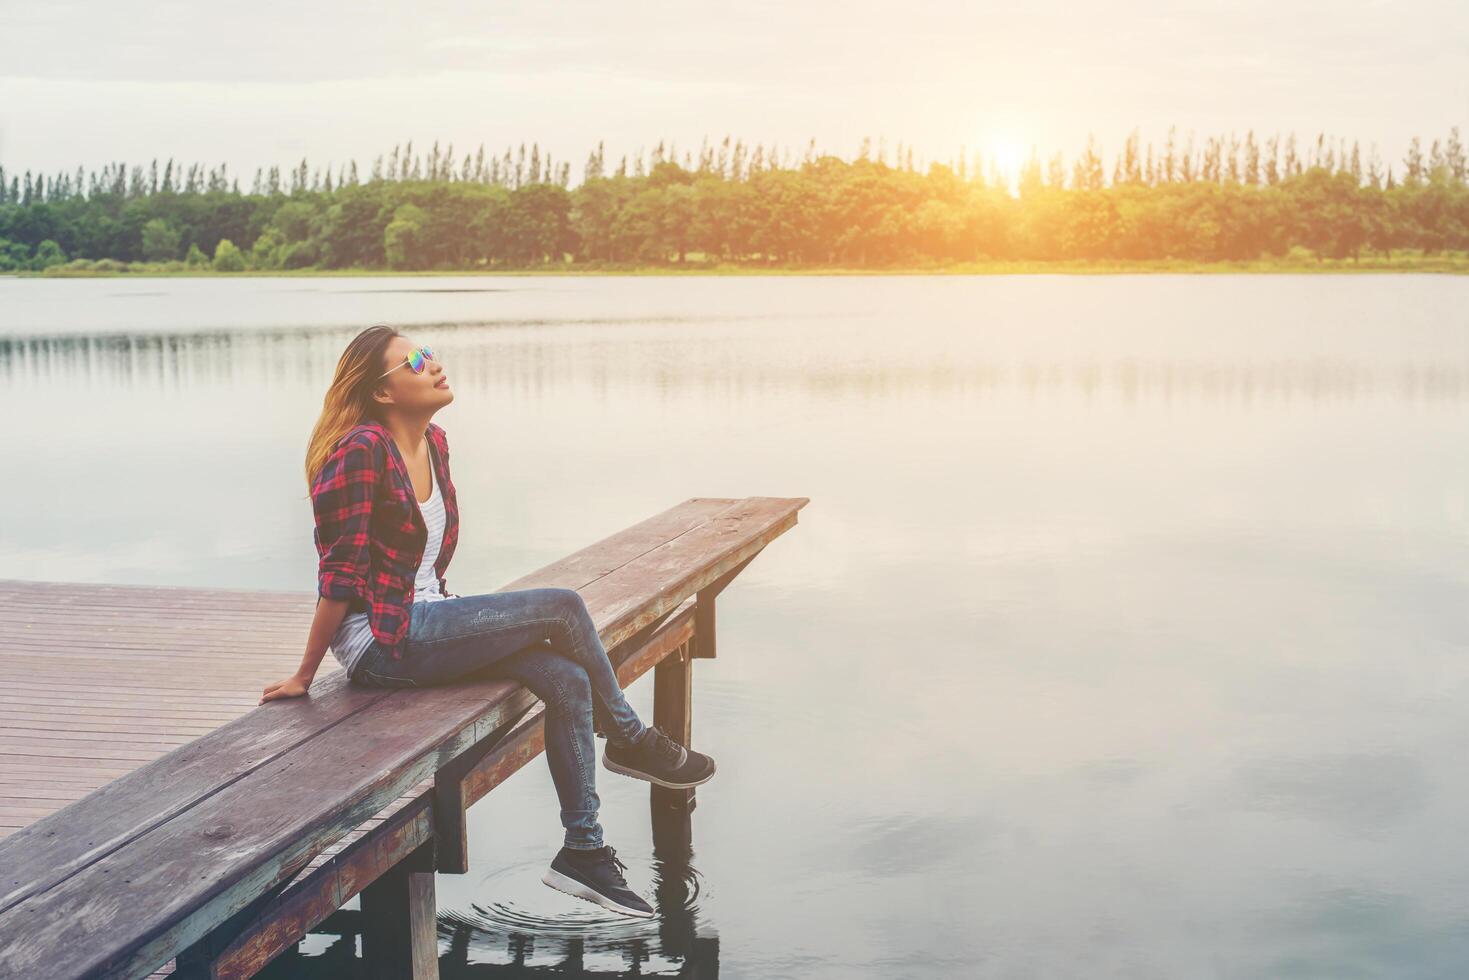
[594, 874]
[659, 759]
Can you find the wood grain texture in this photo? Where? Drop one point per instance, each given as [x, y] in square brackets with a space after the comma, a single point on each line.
[179, 830]
[338, 874]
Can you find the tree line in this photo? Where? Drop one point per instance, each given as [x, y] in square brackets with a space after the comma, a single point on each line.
[1226, 199]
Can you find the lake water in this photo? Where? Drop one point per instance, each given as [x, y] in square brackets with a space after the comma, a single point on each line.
[1125, 634]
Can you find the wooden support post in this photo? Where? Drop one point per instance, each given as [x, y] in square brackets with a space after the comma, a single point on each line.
[673, 834]
[451, 833]
[703, 645]
[673, 688]
[198, 961]
[704, 611]
[451, 799]
[400, 936]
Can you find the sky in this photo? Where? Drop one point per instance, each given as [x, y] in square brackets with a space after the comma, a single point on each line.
[266, 83]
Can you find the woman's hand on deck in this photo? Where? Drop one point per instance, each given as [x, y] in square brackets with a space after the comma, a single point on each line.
[292, 687]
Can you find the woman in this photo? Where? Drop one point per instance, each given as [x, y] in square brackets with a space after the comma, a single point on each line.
[387, 522]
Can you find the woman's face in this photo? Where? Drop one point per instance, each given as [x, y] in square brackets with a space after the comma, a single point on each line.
[417, 393]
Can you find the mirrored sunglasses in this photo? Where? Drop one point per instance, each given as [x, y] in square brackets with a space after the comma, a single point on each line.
[417, 359]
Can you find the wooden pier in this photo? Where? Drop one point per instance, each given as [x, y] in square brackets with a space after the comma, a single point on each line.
[155, 819]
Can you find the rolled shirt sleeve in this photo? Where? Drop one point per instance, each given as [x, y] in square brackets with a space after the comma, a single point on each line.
[342, 497]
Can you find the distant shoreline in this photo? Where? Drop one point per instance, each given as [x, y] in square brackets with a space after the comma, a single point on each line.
[1451, 263]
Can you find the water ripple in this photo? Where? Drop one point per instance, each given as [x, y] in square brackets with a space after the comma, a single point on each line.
[529, 905]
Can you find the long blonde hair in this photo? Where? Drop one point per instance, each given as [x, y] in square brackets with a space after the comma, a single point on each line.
[349, 400]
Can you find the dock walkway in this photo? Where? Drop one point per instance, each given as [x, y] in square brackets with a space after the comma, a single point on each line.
[132, 733]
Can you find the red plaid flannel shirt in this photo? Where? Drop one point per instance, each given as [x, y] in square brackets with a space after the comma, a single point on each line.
[370, 533]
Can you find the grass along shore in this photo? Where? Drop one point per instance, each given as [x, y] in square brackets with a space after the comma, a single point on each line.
[1295, 263]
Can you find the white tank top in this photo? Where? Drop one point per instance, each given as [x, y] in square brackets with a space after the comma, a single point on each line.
[354, 635]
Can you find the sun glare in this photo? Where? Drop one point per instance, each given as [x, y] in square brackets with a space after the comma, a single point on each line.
[1007, 156]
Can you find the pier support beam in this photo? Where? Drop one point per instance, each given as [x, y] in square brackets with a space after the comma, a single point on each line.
[673, 713]
[704, 610]
[400, 937]
[451, 835]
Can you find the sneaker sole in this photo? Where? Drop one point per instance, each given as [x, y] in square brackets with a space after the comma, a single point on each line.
[569, 885]
[638, 774]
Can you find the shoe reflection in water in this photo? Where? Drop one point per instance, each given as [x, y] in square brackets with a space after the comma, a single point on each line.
[472, 950]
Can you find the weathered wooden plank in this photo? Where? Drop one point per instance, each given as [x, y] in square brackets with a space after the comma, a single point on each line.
[180, 703]
[38, 796]
[49, 790]
[190, 606]
[142, 726]
[80, 719]
[21, 763]
[276, 846]
[94, 625]
[107, 655]
[313, 801]
[196, 873]
[680, 567]
[400, 937]
[45, 804]
[67, 770]
[123, 811]
[62, 753]
[84, 738]
[75, 714]
[39, 686]
[315, 896]
[398, 830]
[125, 701]
[92, 594]
[612, 552]
[60, 776]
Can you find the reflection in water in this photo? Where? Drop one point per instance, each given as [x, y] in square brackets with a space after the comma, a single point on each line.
[500, 940]
[502, 353]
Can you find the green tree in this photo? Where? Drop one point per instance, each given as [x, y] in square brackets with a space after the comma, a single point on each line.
[160, 241]
[296, 220]
[1329, 217]
[48, 253]
[14, 255]
[403, 238]
[538, 224]
[757, 205]
[266, 252]
[227, 257]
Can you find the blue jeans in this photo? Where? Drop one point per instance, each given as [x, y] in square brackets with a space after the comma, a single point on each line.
[546, 640]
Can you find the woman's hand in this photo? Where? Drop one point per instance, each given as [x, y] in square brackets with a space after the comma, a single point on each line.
[292, 687]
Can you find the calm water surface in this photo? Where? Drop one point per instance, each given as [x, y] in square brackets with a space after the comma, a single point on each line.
[1125, 634]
